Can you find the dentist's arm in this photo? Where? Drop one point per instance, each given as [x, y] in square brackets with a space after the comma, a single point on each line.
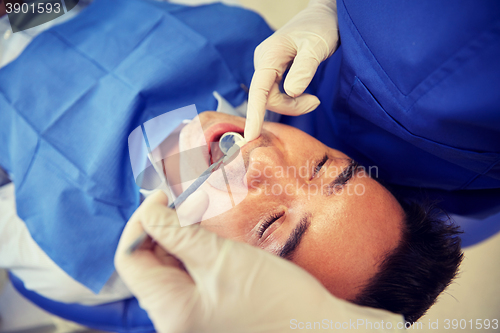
[222, 285]
[304, 42]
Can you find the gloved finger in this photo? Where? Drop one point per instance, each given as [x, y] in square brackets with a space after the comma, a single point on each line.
[262, 82]
[134, 229]
[276, 53]
[150, 272]
[284, 104]
[143, 270]
[166, 258]
[197, 248]
[161, 290]
[301, 73]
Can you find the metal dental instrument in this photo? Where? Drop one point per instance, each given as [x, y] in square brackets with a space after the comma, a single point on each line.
[228, 139]
[228, 153]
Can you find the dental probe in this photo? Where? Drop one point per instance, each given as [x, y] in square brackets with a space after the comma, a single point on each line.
[228, 153]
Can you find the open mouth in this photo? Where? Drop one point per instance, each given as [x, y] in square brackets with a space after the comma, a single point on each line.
[215, 152]
[213, 135]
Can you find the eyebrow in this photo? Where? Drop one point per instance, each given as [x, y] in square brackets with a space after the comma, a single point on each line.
[343, 178]
[293, 241]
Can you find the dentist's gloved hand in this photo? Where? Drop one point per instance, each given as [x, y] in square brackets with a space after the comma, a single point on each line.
[225, 286]
[306, 40]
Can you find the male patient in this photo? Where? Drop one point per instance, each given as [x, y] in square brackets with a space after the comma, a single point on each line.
[311, 204]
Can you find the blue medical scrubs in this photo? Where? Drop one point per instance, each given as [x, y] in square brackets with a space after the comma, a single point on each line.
[415, 90]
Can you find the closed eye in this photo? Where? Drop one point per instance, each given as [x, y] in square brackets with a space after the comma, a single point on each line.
[318, 167]
[270, 219]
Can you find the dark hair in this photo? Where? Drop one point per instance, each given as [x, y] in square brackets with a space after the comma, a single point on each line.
[420, 268]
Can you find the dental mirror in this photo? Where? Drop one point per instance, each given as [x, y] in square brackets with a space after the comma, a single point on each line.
[228, 140]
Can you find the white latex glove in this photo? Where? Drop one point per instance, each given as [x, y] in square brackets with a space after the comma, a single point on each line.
[307, 39]
[228, 286]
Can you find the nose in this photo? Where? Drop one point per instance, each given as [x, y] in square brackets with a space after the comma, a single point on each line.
[266, 167]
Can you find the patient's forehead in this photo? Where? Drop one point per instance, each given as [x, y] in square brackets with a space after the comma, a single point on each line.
[348, 241]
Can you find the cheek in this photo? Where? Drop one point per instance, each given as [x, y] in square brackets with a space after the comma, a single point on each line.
[230, 224]
[217, 225]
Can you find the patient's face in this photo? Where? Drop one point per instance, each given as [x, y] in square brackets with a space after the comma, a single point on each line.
[302, 200]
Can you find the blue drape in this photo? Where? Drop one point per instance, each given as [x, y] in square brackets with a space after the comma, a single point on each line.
[69, 102]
